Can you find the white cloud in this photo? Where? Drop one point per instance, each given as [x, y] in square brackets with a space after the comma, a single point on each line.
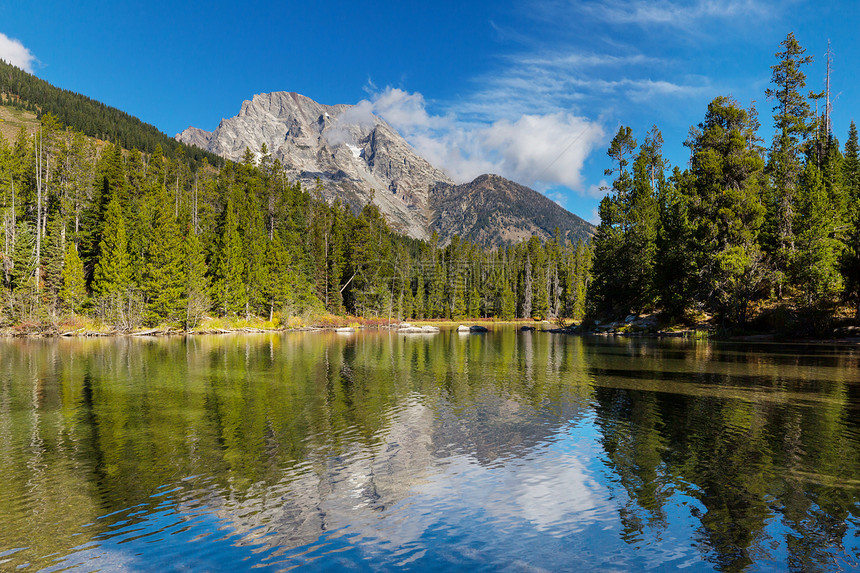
[679, 14]
[599, 190]
[544, 149]
[539, 150]
[15, 53]
[360, 115]
[399, 107]
[583, 60]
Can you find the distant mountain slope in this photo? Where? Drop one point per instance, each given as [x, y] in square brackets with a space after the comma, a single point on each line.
[360, 158]
[492, 210]
[91, 117]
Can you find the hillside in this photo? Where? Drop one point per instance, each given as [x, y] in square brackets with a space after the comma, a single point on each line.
[21, 90]
[12, 119]
[492, 210]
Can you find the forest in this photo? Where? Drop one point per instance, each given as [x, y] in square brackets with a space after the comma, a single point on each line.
[752, 236]
[138, 240]
[757, 237]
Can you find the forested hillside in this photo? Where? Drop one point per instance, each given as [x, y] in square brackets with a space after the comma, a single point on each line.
[492, 210]
[745, 232]
[136, 239]
[93, 118]
[757, 236]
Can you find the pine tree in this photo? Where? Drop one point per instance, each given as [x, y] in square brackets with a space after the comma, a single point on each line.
[474, 306]
[675, 270]
[164, 279]
[816, 264]
[609, 291]
[528, 289]
[112, 272]
[851, 256]
[508, 304]
[73, 293]
[196, 292]
[726, 208]
[851, 166]
[792, 119]
[256, 269]
[408, 300]
[53, 256]
[639, 249]
[230, 292]
[458, 302]
[279, 275]
[23, 274]
[419, 303]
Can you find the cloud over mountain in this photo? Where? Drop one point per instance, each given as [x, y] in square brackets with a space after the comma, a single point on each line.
[540, 150]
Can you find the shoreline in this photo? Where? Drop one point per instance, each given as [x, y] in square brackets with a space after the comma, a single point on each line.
[536, 326]
[85, 332]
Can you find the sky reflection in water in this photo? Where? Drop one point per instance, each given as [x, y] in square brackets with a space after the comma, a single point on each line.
[505, 451]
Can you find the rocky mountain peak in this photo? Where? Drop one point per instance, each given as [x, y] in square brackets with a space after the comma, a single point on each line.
[360, 158]
[353, 152]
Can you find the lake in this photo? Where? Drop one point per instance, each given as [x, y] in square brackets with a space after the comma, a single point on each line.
[505, 451]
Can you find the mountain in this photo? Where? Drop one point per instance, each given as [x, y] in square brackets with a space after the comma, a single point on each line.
[357, 156]
[360, 158]
[492, 210]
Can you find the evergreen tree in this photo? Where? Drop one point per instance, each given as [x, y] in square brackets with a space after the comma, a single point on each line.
[792, 119]
[474, 306]
[196, 292]
[639, 207]
[851, 166]
[279, 276]
[164, 279]
[675, 271]
[230, 292]
[458, 297]
[419, 303]
[609, 289]
[112, 272]
[73, 293]
[256, 267]
[851, 255]
[727, 210]
[528, 287]
[24, 299]
[53, 262]
[816, 264]
[508, 302]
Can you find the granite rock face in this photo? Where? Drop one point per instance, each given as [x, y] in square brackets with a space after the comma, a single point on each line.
[356, 154]
[359, 158]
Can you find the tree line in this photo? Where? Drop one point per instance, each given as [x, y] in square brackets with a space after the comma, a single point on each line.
[743, 226]
[25, 91]
[140, 239]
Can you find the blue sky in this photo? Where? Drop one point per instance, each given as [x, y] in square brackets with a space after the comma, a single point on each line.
[531, 89]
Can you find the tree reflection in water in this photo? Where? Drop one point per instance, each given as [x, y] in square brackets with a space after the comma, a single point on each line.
[439, 450]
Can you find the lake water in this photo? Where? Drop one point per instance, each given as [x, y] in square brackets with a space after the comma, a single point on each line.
[503, 451]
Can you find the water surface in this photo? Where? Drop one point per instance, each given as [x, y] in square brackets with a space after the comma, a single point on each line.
[376, 451]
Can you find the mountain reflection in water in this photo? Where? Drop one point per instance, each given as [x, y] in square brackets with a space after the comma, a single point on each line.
[377, 451]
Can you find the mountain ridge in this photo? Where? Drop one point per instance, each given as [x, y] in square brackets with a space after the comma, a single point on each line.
[360, 158]
[494, 210]
[91, 117]
[351, 151]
